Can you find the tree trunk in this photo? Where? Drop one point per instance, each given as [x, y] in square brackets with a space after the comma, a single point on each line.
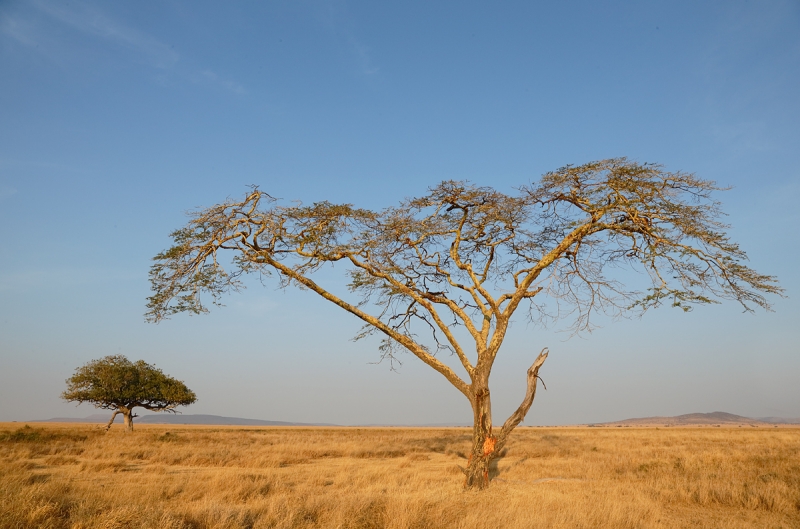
[483, 442]
[485, 445]
[127, 415]
[113, 416]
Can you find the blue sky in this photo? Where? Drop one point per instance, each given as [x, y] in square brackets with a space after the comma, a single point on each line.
[116, 118]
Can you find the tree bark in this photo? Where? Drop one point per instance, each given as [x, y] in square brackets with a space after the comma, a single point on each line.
[519, 415]
[127, 415]
[485, 445]
[483, 442]
[114, 416]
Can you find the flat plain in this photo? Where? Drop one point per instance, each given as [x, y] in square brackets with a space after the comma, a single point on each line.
[78, 476]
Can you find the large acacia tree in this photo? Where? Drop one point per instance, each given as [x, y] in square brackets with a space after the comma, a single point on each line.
[471, 257]
[116, 383]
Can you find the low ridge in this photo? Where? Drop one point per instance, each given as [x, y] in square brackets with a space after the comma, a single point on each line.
[691, 419]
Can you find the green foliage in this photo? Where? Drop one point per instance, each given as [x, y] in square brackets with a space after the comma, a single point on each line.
[114, 382]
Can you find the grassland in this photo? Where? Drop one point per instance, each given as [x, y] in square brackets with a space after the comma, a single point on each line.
[77, 476]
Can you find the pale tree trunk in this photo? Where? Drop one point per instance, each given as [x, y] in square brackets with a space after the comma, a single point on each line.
[485, 445]
[114, 416]
[127, 416]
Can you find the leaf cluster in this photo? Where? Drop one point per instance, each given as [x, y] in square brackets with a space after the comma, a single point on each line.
[114, 381]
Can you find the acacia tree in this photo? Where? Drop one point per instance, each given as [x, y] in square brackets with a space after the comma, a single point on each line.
[471, 257]
[116, 383]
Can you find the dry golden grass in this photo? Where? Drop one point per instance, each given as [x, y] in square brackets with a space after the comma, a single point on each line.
[77, 476]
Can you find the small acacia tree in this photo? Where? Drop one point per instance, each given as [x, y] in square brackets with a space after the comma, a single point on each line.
[116, 383]
[471, 256]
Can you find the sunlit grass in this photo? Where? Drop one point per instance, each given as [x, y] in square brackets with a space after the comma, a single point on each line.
[77, 476]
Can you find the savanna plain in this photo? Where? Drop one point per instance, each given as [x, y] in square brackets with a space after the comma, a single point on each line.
[79, 476]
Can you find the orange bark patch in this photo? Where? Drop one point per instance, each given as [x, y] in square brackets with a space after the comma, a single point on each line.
[488, 445]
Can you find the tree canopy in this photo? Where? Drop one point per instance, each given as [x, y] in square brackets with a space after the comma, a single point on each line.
[116, 383]
[470, 256]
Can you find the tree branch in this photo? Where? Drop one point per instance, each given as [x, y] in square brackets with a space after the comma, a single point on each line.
[113, 416]
[519, 415]
[425, 301]
[416, 349]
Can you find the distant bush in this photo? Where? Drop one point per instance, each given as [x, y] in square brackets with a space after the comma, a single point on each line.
[27, 434]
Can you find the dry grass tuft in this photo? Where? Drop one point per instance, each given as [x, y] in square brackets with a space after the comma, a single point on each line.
[78, 477]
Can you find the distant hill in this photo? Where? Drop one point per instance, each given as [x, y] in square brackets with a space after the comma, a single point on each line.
[698, 419]
[170, 418]
[691, 419]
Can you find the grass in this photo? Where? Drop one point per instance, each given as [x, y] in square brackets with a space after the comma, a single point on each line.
[78, 476]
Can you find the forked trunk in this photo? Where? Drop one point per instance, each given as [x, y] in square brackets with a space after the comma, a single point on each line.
[485, 445]
[127, 415]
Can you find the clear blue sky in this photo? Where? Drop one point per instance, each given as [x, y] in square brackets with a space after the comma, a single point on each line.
[117, 117]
